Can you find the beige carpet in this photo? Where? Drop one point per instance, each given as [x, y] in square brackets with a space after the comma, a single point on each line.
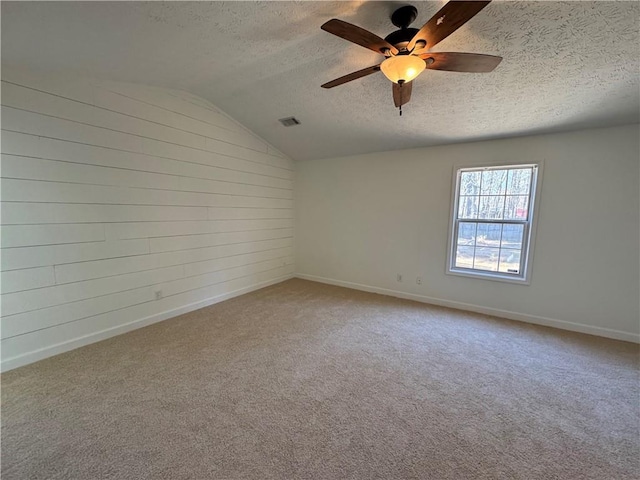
[307, 381]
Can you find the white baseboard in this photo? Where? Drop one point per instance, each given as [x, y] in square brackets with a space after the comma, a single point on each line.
[34, 356]
[547, 322]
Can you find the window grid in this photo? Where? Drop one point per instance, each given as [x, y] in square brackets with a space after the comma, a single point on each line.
[500, 247]
[507, 187]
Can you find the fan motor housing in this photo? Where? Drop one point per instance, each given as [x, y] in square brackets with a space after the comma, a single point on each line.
[401, 38]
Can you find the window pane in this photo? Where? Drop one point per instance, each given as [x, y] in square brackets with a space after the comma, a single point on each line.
[519, 181]
[494, 182]
[512, 236]
[466, 233]
[491, 207]
[516, 207]
[510, 261]
[486, 259]
[464, 257]
[470, 183]
[491, 221]
[468, 207]
[488, 234]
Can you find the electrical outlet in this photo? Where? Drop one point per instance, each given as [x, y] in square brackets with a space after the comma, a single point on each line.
[158, 294]
[419, 280]
[399, 277]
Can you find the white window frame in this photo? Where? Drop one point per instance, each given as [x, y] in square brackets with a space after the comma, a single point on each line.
[528, 241]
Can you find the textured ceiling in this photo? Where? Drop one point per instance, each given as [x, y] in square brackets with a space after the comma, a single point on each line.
[567, 65]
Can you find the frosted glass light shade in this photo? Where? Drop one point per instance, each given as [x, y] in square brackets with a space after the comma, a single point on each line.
[402, 67]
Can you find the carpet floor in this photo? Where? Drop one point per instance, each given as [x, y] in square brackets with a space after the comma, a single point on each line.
[308, 381]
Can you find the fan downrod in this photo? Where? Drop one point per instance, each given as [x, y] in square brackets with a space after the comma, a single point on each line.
[404, 16]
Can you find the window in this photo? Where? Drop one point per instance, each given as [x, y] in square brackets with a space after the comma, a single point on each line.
[492, 222]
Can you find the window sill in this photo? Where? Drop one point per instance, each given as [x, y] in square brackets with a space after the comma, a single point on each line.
[496, 277]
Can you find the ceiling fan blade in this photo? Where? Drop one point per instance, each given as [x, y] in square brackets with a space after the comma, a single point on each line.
[448, 19]
[460, 62]
[359, 36]
[352, 76]
[401, 93]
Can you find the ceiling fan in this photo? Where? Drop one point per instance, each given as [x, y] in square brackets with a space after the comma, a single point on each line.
[406, 49]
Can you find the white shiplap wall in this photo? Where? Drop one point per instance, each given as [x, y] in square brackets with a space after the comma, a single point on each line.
[112, 192]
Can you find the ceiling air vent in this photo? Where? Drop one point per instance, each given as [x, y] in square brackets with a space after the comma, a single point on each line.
[289, 121]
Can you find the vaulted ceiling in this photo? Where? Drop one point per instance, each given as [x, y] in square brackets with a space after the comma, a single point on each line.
[567, 65]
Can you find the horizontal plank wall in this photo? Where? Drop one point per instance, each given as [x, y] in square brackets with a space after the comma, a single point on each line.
[123, 205]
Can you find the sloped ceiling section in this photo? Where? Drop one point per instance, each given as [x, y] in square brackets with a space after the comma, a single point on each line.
[567, 65]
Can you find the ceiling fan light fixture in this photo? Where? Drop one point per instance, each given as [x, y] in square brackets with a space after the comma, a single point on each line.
[402, 68]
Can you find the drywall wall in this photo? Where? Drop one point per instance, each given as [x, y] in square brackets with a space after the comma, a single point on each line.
[361, 220]
[123, 205]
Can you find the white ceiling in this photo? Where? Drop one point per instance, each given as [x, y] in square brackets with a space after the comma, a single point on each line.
[567, 65]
